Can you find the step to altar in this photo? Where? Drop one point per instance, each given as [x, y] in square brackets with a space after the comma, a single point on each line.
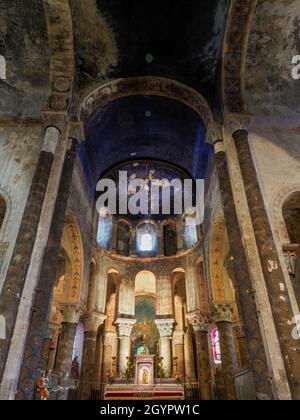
[144, 392]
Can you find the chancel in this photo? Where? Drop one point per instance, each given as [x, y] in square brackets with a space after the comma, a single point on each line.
[104, 294]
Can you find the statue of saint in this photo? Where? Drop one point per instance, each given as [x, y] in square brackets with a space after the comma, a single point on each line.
[75, 368]
[43, 386]
[145, 377]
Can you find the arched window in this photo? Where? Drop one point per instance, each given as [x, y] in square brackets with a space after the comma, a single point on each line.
[190, 234]
[2, 210]
[216, 348]
[104, 234]
[170, 239]
[123, 239]
[146, 240]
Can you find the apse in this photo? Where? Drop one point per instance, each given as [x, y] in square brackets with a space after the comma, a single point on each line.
[145, 127]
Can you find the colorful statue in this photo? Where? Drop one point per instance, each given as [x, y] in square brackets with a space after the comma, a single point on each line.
[43, 386]
[75, 368]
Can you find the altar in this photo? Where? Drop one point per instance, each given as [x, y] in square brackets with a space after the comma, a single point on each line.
[144, 369]
[144, 386]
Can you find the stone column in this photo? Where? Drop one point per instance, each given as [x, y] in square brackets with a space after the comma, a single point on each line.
[124, 328]
[42, 299]
[189, 357]
[165, 328]
[223, 319]
[192, 286]
[243, 283]
[271, 266]
[180, 244]
[178, 344]
[200, 322]
[160, 241]
[45, 356]
[16, 274]
[91, 327]
[109, 338]
[164, 301]
[71, 315]
[239, 334]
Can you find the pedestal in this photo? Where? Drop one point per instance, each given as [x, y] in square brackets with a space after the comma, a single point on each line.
[144, 369]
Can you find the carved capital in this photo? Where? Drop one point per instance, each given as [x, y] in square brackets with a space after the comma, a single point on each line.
[165, 327]
[70, 313]
[214, 133]
[199, 320]
[76, 131]
[55, 119]
[93, 322]
[223, 312]
[237, 122]
[124, 326]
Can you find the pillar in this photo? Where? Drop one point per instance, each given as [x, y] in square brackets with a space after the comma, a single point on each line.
[192, 286]
[46, 349]
[43, 297]
[165, 328]
[124, 329]
[88, 369]
[271, 266]
[223, 319]
[109, 338]
[200, 322]
[189, 357]
[243, 283]
[16, 274]
[71, 315]
[240, 337]
[178, 345]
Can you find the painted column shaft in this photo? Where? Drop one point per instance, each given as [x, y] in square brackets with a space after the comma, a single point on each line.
[243, 284]
[42, 301]
[16, 274]
[273, 274]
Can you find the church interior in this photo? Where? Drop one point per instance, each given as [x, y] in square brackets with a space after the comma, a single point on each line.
[100, 305]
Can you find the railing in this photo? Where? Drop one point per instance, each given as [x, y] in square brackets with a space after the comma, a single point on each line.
[244, 386]
[243, 382]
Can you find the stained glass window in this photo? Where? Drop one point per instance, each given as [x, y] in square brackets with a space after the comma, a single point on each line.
[146, 242]
[215, 341]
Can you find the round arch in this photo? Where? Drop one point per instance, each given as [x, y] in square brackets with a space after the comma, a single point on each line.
[147, 85]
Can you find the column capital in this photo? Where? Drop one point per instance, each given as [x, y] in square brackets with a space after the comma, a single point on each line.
[93, 322]
[70, 313]
[214, 133]
[55, 119]
[165, 327]
[199, 320]
[223, 312]
[237, 122]
[124, 326]
[76, 131]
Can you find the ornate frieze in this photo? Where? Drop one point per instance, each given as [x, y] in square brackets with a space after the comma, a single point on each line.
[165, 327]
